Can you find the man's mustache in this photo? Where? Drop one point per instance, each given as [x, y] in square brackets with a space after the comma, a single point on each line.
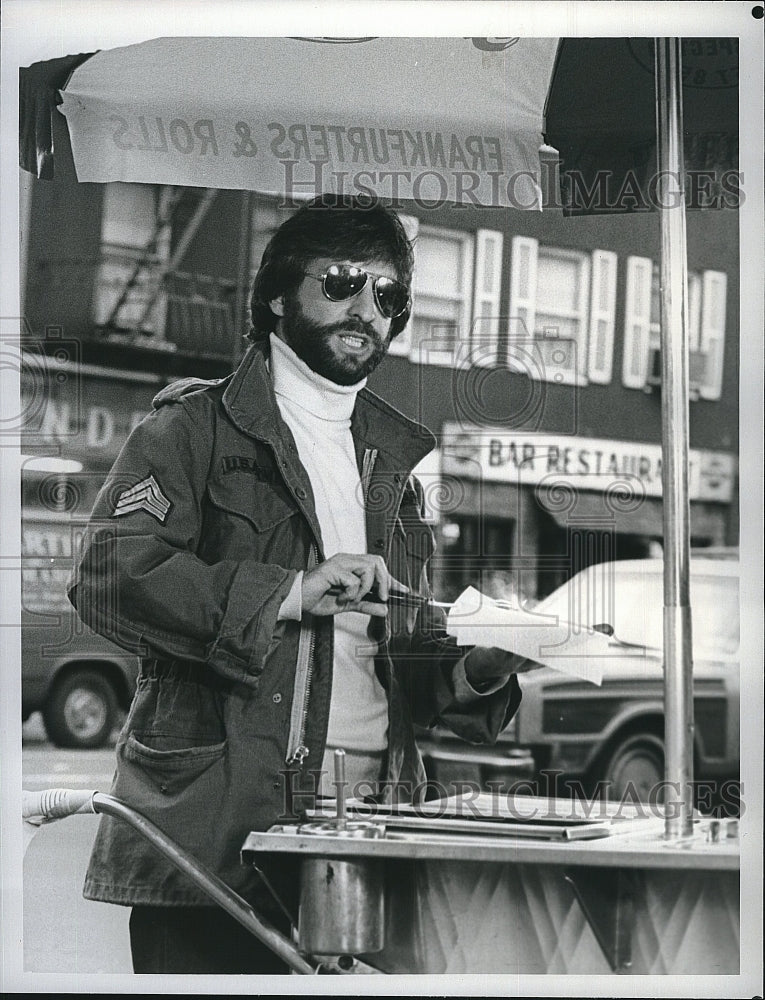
[354, 326]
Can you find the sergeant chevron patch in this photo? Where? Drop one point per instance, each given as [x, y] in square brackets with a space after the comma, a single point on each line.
[146, 495]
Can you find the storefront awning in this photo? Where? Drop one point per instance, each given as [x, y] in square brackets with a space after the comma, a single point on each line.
[626, 515]
[620, 512]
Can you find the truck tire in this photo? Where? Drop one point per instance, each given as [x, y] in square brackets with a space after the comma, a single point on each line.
[81, 710]
[636, 760]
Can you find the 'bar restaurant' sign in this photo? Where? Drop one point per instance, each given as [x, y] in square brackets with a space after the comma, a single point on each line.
[498, 455]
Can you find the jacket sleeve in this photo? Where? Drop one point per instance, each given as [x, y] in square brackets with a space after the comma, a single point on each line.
[432, 671]
[431, 668]
[139, 582]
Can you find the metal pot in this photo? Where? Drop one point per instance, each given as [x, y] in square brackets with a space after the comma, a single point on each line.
[342, 902]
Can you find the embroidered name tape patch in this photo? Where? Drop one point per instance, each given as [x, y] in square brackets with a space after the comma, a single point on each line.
[146, 495]
[240, 463]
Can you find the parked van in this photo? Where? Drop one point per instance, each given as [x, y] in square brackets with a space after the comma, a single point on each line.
[79, 681]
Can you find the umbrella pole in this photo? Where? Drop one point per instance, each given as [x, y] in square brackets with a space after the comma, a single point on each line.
[678, 660]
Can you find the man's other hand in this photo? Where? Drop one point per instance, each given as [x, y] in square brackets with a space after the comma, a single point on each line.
[350, 577]
[484, 664]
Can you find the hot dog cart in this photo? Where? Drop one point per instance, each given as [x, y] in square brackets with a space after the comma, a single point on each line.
[540, 887]
[487, 883]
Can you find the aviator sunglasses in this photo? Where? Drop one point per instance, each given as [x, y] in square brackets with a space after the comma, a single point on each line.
[342, 281]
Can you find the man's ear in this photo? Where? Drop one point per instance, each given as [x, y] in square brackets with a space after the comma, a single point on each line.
[277, 306]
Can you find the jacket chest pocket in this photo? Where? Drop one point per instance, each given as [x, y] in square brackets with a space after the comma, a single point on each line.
[264, 505]
[247, 517]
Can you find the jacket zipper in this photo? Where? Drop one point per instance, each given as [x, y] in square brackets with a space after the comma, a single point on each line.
[297, 751]
[367, 467]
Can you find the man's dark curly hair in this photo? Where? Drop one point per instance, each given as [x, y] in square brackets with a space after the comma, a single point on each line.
[346, 227]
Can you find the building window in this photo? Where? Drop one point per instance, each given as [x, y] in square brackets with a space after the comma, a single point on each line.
[562, 310]
[442, 296]
[560, 327]
[642, 329]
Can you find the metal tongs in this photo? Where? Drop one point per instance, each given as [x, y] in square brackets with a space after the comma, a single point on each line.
[401, 598]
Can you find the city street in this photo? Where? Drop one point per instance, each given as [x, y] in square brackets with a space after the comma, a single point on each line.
[62, 931]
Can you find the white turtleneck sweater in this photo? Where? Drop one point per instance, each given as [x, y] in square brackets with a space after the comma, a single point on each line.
[318, 412]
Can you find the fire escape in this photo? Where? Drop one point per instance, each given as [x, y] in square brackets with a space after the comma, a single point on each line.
[164, 307]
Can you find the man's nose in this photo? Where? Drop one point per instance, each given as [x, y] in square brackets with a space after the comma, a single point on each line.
[364, 306]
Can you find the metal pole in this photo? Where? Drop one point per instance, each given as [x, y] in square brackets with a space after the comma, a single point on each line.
[678, 660]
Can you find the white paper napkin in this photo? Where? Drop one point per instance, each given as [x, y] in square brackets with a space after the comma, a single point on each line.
[477, 620]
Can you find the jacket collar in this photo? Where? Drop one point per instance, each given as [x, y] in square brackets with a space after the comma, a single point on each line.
[376, 424]
[251, 404]
[249, 398]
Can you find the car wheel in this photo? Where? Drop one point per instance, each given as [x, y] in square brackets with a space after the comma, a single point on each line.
[81, 710]
[634, 768]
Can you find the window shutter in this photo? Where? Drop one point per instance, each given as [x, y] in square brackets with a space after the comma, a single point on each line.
[486, 300]
[602, 316]
[714, 289]
[637, 321]
[523, 292]
[402, 344]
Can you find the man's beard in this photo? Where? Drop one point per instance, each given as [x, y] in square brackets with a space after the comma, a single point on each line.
[311, 342]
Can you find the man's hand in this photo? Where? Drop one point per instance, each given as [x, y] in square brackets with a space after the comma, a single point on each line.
[355, 576]
[484, 664]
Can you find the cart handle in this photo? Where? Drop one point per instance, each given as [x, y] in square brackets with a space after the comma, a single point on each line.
[56, 803]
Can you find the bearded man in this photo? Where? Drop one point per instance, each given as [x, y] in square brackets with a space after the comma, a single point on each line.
[249, 543]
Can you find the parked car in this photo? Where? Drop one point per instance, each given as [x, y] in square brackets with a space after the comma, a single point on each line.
[615, 732]
[79, 681]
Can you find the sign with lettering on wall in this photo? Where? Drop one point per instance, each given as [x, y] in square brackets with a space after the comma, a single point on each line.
[598, 464]
[80, 416]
